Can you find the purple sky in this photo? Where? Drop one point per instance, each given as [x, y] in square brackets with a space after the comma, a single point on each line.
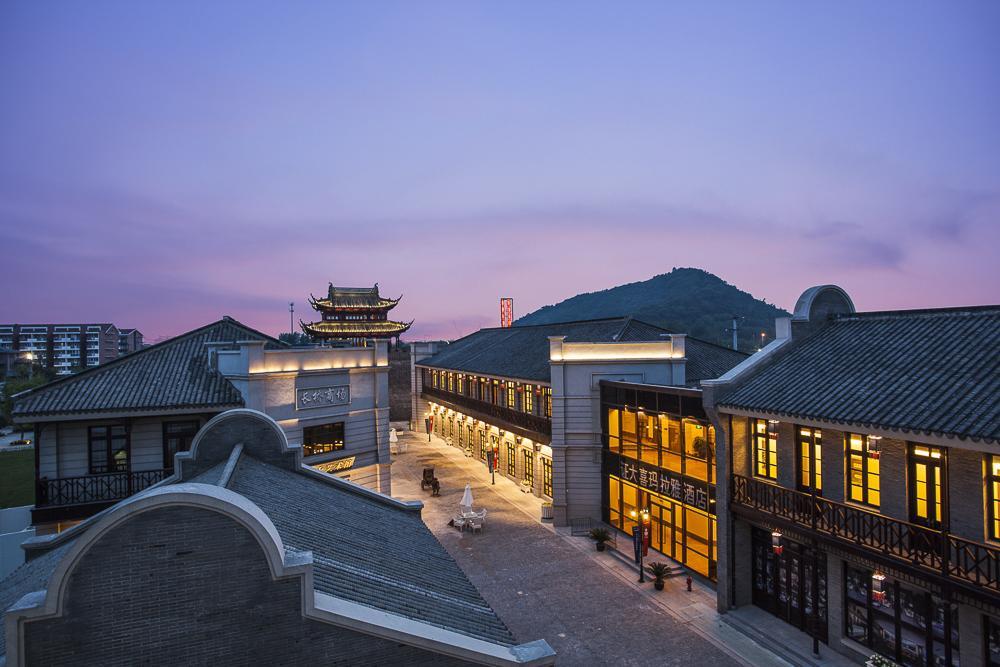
[165, 163]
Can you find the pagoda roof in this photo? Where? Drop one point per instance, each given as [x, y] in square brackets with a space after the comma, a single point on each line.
[355, 329]
[353, 298]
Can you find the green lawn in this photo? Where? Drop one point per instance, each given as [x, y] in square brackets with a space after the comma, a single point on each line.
[17, 478]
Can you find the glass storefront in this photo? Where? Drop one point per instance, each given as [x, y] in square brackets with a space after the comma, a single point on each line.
[907, 625]
[659, 455]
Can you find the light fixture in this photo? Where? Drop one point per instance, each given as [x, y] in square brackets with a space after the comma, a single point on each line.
[874, 446]
[776, 543]
[878, 586]
[772, 427]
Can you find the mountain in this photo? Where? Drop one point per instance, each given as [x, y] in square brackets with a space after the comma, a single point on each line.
[686, 300]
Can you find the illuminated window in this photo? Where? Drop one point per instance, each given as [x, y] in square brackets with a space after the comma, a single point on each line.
[548, 402]
[926, 485]
[765, 449]
[451, 382]
[434, 378]
[614, 432]
[864, 485]
[323, 438]
[993, 491]
[528, 402]
[511, 459]
[529, 467]
[547, 476]
[109, 449]
[810, 442]
[461, 382]
[511, 396]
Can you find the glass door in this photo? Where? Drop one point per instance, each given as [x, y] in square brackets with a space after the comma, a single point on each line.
[926, 486]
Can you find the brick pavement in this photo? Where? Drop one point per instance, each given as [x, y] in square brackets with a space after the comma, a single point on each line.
[547, 585]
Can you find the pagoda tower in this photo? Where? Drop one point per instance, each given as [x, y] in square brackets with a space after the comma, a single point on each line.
[353, 314]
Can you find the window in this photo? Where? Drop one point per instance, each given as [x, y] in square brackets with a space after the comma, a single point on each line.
[906, 625]
[649, 438]
[511, 396]
[993, 496]
[461, 383]
[529, 467]
[482, 443]
[699, 450]
[765, 448]
[434, 379]
[473, 387]
[511, 460]
[177, 437]
[863, 472]
[548, 402]
[926, 485]
[451, 382]
[810, 441]
[109, 449]
[528, 402]
[496, 393]
[322, 439]
[614, 432]
[547, 476]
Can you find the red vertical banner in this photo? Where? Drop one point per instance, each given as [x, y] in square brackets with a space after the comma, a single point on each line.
[506, 311]
[646, 530]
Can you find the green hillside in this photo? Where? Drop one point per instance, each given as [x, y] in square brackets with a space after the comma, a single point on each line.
[690, 301]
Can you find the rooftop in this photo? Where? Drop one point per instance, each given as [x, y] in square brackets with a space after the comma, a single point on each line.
[523, 351]
[174, 374]
[935, 372]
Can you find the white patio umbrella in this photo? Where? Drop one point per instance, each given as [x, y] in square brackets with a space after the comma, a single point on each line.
[467, 497]
[393, 438]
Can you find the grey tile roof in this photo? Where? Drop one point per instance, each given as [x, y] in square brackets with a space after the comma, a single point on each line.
[169, 375]
[523, 351]
[368, 552]
[28, 578]
[931, 371]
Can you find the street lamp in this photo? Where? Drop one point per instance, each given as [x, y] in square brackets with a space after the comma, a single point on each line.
[640, 535]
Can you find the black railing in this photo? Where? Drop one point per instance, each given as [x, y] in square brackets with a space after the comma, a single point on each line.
[931, 550]
[109, 487]
[513, 417]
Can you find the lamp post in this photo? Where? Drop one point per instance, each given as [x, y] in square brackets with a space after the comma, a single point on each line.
[640, 535]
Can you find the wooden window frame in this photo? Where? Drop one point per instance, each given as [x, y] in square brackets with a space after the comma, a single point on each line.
[108, 439]
[912, 459]
[865, 457]
[992, 492]
[770, 471]
[805, 454]
[186, 436]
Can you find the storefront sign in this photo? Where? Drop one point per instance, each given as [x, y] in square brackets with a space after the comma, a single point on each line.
[666, 482]
[336, 466]
[322, 397]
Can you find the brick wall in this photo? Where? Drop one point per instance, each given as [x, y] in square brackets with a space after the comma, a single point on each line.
[182, 585]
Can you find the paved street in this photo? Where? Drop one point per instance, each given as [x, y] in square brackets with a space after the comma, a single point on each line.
[547, 585]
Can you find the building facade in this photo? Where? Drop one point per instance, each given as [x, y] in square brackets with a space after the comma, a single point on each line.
[64, 347]
[129, 340]
[531, 396]
[861, 480]
[112, 431]
[234, 559]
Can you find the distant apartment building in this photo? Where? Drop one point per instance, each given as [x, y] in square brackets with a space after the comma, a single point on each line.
[129, 340]
[69, 347]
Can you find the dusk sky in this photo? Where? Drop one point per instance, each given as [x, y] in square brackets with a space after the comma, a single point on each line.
[165, 163]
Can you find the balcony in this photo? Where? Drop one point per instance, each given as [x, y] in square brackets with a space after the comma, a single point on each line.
[972, 565]
[524, 424]
[53, 497]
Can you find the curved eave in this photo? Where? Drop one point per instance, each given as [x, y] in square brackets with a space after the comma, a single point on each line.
[323, 329]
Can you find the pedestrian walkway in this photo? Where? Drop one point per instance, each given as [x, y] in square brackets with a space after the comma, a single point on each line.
[548, 584]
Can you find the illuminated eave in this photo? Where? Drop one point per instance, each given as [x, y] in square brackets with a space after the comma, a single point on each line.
[384, 328]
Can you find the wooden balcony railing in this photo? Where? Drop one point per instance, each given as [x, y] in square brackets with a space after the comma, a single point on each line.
[522, 420]
[906, 543]
[109, 487]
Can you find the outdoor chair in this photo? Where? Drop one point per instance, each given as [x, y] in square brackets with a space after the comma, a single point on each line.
[476, 524]
[427, 481]
[435, 487]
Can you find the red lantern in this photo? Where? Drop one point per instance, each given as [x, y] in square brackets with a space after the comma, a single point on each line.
[776, 543]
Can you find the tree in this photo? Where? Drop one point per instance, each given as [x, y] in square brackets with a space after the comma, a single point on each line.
[24, 378]
[295, 338]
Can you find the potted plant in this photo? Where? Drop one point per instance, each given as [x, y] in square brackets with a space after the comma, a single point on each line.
[659, 571]
[878, 660]
[600, 536]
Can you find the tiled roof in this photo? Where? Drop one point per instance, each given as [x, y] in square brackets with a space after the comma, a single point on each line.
[523, 351]
[173, 374]
[365, 298]
[367, 552]
[356, 329]
[931, 371]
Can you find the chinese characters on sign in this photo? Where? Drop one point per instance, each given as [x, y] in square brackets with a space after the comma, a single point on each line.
[336, 466]
[506, 312]
[666, 483]
[322, 397]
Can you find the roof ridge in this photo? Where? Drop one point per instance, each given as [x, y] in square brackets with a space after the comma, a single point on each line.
[930, 312]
